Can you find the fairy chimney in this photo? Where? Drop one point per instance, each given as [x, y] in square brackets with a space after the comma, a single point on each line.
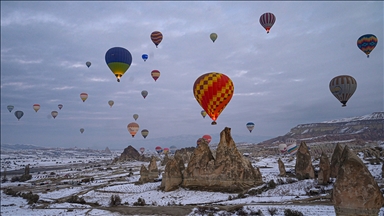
[173, 174]
[153, 171]
[281, 168]
[325, 170]
[303, 167]
[144, 174]
[335, 160]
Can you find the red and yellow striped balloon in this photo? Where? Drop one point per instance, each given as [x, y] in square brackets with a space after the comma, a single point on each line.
[155, 74]
[156, 37]
[213, 91]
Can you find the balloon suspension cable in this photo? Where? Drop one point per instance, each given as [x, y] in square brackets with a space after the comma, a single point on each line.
[214, 123]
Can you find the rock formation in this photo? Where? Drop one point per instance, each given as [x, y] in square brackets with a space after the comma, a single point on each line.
[185, 153]
[229, 172]
[144, 174]
[335, 160]
[283, 173]
[325, 170]
[131, 154]
[107, 150]
[303, 167]
[382, 171]
[165, 160]
[355, 191]
[173, 174]
[148, 175]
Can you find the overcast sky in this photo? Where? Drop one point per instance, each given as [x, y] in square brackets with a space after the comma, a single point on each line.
[281, 79]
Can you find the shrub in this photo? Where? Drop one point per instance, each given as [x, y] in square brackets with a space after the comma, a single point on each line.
[140, 202]
[30, 197]
[24, 178]
[240, 195]
[15, 178]
[205, 210]
[289, 212]
[10, 191]
[76, 199]
[115, 200]
[272, 210]
[272, 184]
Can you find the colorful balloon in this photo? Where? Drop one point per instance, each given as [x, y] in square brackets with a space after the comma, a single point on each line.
[81, 130]
[173, 149]
[158, 149]
[36, 107]
[144, 133]
[213, 37]
[111, 102]
[142, 149]
[10, 108]
[156, 37]
[292, 149]
[155, 74]
[88, 64]
[83, 96]
[343, 87]
[213, 91]
[367, 43]
[165, 150]
[54, 114]
[60, 106]
[19, 114]
[133, 127]
[203, 113]
[250, 126]
[207, 138]
[118, 60]
[135, 116]
[282, 147]
[144, 57]
[267, 20]
[144, 93]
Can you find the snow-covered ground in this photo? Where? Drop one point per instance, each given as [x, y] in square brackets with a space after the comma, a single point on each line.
[117, 181]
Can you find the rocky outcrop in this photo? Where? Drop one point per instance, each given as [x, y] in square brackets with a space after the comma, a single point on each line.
[185, 153]
[229, 172]
[282, 170]
[153, 171]
[335, 160]
[165, 160]
[173, 174]
[131, 154]
[325, 170]
[144, 174]
[107, 150]
[355, 191]
[304, 168]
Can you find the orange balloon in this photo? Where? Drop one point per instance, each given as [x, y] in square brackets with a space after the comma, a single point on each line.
[133, 127]
[213, 91]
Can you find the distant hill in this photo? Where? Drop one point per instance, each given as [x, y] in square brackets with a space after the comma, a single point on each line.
[5, 146]
[364, 128]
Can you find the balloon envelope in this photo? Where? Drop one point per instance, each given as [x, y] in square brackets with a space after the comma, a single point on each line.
[19, 114]
[166, 150]
[250, 126]
[172, 149]
[10, 108]
[133, 127]
[158, 149]
[267, 20]
[142, 149]
[282, 147]
[88, 64]
[207, 137]
[54, 114]
[155, 74]
[118, 60]
[144, 93]
[343, 87]
[203, 113]
[144, 133]
[292, 149]
[213, 91]
[81, 130]
[60, 106]
[83, 96]
[135, 116]
[213, 37]
[36, 107]
[144, 57]
[367, 43]
[111, 102]
[156, 37]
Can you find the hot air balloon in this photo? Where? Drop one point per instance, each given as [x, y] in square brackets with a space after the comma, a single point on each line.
[83, 96]
[158, 149]
[88, 64]
[166, 150]
[292, 149]
[142, 149]
[19, 114]
[144, 93]
[203, 113]
[60, 106]
[213, 37]
[111, 102]
[250, 126]
[207, 137]
[173, 149]
[118, 60]
[135, 116]
[54, 114]
[81, 130]
[144, 133]
[267, 20]
[367, 43]
[156, 37]
[133, 127]
[144, 57]
[282, 147]
[36, 107]
[155, 74]
[10, 108]
[343, 87]
[213, 91]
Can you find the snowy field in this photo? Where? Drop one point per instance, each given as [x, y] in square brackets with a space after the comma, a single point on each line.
[114, 179]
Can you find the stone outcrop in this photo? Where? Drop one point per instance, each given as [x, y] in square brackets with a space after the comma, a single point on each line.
[153, 171]
[173, 174]
[282, 170]
[325, 170]
[131, 154]
[304, 168]
[107, 150]
[355, 191]
[165, 160]
[185, 153]
[144, 174]
[335, 160]
[229, 172]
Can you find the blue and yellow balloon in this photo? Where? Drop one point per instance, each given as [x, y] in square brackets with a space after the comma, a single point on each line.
[367, 43]
[118, 60]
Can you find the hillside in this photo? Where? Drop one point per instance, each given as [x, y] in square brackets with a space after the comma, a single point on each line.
[365, 128]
